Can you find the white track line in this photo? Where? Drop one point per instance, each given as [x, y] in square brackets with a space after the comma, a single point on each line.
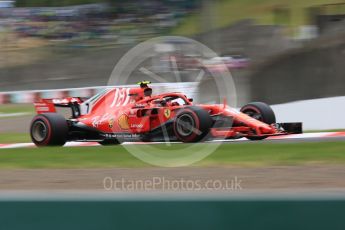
[5, 115]
[293, 136]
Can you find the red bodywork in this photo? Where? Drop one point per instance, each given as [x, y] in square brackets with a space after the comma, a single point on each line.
[129, 111]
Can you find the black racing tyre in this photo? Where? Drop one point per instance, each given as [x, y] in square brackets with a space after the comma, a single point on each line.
[107, 142]
[192, 124]
[49, 129]
[260, 111]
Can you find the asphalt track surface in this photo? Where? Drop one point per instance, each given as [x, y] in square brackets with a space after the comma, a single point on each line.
[272, 179]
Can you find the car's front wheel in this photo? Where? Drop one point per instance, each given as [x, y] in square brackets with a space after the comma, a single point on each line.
[192, 124]
[260, 111]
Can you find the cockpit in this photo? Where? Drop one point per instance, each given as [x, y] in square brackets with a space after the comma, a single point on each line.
[175, 99]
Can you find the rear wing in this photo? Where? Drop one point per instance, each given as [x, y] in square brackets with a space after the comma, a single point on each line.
[49, 105]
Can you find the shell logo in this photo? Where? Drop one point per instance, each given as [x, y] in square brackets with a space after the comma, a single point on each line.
[123, 122]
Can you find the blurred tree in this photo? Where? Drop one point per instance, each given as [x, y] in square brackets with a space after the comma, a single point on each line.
[52, 3]
[281, 15]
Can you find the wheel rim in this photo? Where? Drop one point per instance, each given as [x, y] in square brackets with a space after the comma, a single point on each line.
[39, 131]
[185, 125]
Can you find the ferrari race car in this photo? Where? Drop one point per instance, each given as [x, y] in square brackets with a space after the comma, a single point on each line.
[135, 114]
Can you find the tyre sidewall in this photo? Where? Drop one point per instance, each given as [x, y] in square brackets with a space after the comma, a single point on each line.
[46, 122]
[197, 114]
[57, 129]
[265, 110]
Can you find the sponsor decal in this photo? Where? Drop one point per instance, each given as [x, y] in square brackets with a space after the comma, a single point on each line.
[121, 97]
[42, 109]
[132, 113]
[60, 101]
[121, 135]
[111, 122]
[65, 100]
[137, 126]
[123, 122]
[40, 104]
[140, 105]
[167, 113]
[97, 120]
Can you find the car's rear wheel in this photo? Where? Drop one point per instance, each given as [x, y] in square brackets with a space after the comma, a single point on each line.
[49, 129]
[260, 111]
[192, 124]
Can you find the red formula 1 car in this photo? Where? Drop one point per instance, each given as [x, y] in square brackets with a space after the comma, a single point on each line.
[134, 114]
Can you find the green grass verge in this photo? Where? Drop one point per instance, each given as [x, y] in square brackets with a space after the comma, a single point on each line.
[10, 138]
[324, 130]
[17, 108]
[241, 154]
[229, 11]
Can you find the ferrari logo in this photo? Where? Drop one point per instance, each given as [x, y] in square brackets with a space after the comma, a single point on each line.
[167, 113]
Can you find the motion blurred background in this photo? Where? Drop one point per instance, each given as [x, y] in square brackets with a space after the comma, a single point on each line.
[288, 53]
[293, 50]
[278, 51]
